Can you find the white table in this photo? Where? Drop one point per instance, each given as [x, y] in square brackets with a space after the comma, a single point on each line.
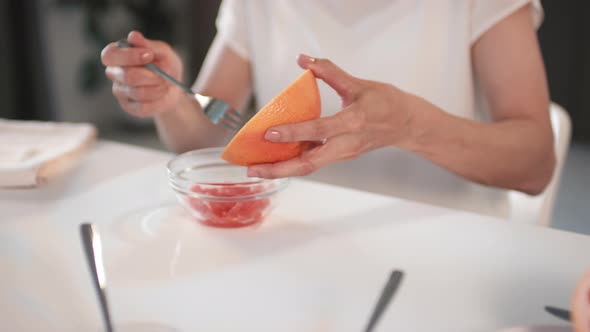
[316, 264]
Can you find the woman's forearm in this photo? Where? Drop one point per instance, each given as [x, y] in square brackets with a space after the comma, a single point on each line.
[513, 154]
[187, 128]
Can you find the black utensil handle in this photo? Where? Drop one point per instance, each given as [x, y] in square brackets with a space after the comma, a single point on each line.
[559, 313]
[386, 295]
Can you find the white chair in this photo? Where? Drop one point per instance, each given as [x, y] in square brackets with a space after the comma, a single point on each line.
[538, 210]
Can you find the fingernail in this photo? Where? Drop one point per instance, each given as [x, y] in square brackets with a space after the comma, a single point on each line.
[272, 135]
[146, 56]
[252, 173]
[307, 58]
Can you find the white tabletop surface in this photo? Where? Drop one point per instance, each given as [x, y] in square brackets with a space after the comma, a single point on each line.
[317, 263]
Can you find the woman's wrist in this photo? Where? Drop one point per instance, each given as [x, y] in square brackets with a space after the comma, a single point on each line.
[183, 102]
[407, 133]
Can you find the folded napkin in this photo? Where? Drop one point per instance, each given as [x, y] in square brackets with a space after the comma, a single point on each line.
[31, 151]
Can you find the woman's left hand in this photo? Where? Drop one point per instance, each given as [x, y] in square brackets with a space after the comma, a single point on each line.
[373, 115]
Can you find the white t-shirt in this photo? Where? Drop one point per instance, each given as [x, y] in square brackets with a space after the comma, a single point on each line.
[421, 46]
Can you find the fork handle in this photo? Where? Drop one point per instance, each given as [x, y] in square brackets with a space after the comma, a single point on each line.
[169, 78]
[155, 69]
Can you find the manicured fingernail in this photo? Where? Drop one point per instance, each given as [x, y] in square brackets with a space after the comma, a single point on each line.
[147, 56]
[133, 32]
[273, 135]
[252, 173]
[307, 58]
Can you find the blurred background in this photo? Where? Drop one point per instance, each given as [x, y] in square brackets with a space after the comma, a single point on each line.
[50, 66]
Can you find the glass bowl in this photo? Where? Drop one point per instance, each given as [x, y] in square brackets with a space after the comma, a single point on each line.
[217, 193]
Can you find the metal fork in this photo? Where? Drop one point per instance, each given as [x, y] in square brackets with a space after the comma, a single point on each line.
[218, 111]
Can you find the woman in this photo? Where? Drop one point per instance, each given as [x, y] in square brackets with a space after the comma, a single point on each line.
[439, 101]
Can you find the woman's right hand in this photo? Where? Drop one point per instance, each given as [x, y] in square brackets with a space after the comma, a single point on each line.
[139, 91]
